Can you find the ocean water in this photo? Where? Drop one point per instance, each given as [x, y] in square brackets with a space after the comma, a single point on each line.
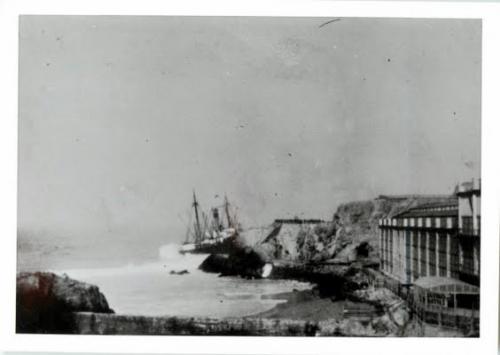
[146, 287]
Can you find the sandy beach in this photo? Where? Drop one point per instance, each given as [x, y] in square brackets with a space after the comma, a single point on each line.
[309, 305]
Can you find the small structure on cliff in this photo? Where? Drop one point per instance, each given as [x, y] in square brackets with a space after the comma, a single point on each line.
[297, 220]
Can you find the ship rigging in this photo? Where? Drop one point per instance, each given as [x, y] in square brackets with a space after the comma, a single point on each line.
[211, 234]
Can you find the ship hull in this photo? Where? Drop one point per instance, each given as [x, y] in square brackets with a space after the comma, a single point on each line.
[227, 246]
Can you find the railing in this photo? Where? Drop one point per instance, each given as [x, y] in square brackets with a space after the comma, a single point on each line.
[466, 320]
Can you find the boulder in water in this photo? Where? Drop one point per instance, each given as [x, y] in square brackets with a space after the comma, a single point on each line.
[245, 262]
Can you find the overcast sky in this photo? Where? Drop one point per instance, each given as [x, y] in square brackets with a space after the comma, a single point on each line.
[120, 118]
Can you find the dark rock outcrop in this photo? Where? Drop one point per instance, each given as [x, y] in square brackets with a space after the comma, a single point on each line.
[331, 280]
[43, 299]
[245, 262]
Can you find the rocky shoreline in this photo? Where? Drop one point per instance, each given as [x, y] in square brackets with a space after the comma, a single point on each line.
[339, 257]
[44, 300]
[342, 292]
[48, 303]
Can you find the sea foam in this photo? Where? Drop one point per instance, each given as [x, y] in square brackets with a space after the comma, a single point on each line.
[169, 259]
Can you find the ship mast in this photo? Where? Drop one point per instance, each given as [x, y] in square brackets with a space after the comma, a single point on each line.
[226, 208]
[197, 232]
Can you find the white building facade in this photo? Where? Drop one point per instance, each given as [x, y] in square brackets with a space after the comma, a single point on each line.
[440, 239]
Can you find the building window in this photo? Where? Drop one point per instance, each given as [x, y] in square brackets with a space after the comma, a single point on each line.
[467, 223]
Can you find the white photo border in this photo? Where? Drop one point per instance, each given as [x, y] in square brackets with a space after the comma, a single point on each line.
[485, 344]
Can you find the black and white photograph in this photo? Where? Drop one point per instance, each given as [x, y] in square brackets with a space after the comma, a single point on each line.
[249, 176]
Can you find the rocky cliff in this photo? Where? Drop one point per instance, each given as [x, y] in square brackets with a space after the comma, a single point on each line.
[43, 299]
[352, 233]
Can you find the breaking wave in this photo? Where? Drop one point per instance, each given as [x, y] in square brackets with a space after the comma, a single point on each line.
[169, 252]
[169, 259]
[147, 288]
[169, 255]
